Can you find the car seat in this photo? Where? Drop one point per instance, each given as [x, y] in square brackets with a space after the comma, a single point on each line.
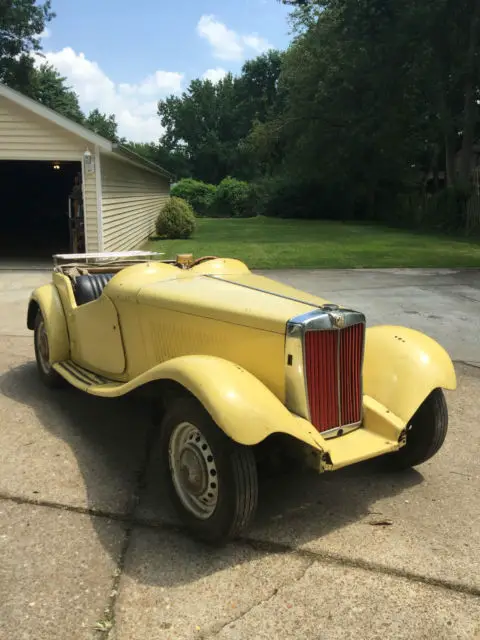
[88, 288]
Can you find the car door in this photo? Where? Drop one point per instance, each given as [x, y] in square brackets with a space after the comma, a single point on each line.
[96, 339]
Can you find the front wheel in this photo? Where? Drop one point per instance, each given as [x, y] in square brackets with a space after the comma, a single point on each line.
[426, 433]
[212, 480]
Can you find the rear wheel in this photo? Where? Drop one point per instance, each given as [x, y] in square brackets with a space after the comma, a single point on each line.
[426, 433]
[212, 480]
[47, 373]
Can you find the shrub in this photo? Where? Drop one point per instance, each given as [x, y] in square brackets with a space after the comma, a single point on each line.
[292, 198]
[447, 209]
[176, 219]
[198, 194]
[233, 199]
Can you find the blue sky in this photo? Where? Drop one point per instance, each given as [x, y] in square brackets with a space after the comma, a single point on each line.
[123, 56]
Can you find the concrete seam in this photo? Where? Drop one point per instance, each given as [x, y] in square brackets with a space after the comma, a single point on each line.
[467, 364]
[110, 609]
[373, 567]
[260, 545]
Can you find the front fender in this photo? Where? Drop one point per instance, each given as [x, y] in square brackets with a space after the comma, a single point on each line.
[242, 406]
[402, 367]
[47, 299]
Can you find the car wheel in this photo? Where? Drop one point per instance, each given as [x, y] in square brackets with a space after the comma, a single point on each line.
[42, 354]
[212, 480]
[426, 433]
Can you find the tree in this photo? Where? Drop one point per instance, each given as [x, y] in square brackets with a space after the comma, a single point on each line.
[373, 91]
[103, 125]
[209, 123]
[21, 23]
[49, 87]
[175, 162]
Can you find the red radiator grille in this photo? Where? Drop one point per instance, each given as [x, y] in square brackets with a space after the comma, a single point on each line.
[333, 362]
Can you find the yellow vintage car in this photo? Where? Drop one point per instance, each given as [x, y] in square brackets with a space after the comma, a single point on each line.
[238, 361]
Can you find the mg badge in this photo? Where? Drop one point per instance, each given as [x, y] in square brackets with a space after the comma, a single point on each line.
[338, 320]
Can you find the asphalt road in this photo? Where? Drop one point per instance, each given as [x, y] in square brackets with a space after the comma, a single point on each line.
[88, 543]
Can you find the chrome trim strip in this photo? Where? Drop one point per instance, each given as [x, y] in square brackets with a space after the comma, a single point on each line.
[296, 393]
[340, 431]
[327, 317]
[339, 377]
[272, 293]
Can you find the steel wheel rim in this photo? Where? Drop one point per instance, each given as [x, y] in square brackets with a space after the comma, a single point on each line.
[193, 470]
[43, 348]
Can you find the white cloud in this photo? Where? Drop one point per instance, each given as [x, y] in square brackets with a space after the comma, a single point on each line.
[225, 42]
[214, 75]
[258, 44]
[134, 105]
[228, 44]
[46, 33]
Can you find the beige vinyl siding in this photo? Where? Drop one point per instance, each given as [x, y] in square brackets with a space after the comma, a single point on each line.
[131, 200]
[26, 136]
[90, 208]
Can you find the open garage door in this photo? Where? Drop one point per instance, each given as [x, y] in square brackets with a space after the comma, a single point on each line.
[34, 208]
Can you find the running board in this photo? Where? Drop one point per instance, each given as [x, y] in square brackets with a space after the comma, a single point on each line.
[87, 381]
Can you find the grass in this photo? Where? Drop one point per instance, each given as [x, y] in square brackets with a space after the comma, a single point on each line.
[270, 243]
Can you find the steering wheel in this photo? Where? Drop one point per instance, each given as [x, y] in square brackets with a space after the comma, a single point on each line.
[202, 259]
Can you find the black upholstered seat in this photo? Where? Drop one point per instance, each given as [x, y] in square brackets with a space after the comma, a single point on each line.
[89, 288]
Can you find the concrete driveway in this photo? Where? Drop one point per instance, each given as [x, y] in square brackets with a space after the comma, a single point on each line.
[89, 547]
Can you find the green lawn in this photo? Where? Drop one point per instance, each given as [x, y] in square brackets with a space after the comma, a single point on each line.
[269, 243]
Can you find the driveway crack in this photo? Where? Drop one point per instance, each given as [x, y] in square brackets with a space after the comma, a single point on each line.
[106, 626]
[215, 632]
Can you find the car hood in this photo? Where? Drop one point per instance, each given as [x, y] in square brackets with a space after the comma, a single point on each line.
[245, 299]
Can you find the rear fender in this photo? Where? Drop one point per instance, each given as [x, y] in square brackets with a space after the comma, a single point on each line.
[47, 300]
[402, 367]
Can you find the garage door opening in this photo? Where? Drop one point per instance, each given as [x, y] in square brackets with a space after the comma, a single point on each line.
[34, 208]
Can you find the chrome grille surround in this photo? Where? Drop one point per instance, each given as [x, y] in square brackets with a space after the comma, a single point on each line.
[326, 318]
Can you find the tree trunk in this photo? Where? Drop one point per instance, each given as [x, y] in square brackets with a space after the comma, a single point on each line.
[435, 168]
[470, 107]
[450, 158]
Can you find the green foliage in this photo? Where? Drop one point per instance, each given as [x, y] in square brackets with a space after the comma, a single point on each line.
[233, 199]
[103, 125]
[50, 88]
[175, 162]
[296, 198]
[21, 23]
[447, 209]
[371, 99]
[210, 122]
[176, 219]
[199, 195]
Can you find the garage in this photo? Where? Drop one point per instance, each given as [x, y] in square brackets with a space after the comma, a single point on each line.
[34, 211]
[66, 189]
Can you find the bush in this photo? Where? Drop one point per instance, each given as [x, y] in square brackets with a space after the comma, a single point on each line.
[290, 198]
[445, 210]
[233, 199]
[176, 219]
[198, 194]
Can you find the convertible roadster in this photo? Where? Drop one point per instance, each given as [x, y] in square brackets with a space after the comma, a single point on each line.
[238, 361]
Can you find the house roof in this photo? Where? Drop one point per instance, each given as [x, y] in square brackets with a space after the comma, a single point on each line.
[79, 130]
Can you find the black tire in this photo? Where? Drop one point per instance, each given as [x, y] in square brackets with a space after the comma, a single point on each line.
[236, 483]
[426, 433]
[47, 373]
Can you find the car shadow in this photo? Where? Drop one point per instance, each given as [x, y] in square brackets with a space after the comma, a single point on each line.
[117, 457]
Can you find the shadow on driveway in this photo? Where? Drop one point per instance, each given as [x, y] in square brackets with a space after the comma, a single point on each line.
[111, 443]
